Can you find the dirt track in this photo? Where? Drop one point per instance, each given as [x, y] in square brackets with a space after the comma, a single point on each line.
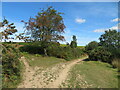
[49, 78]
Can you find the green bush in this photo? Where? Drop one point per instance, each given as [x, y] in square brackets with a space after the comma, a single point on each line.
[100, 54]
[92, 45]
[53, 49]
[66, 52]
[33, 49]
[11, 66]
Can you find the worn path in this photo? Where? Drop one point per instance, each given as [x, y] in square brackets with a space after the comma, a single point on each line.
[48, 78]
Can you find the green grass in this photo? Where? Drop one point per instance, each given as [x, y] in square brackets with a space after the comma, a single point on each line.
[63, 45]
[40, 61]
[97, 74]
[81, 46]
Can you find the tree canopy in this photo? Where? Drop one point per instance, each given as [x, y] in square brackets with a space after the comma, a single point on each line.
[111, 40]
[8, 29]
[46, 26]
[73, 43]
[92, 45]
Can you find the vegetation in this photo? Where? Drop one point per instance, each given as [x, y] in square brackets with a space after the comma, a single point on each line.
[40, 61]
[9, 29]
[11, 66]
[92, 45]
[107, 50]
[92, 74]
[111, 41]
[54, 49]
[100, 54]
[46, 26]
[42, 48]
[73, 43]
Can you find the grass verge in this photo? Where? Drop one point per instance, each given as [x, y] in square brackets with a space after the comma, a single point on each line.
[40, 61]
[93, 74]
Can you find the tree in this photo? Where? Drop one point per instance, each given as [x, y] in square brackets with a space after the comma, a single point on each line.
[74, 42]
[8, 29]
[74, 38]
[92, 45]
[100, 54]
[22, 37]
[111, 40]
[46, 26]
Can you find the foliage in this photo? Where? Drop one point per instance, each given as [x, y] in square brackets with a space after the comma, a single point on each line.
[46, 26]
[107, 49]
[8, 29]
[100, 54]
[73, 43]
[92, 45]
[32, 49]
[53, 49]
[111, 40]
[66, 52]
[22, 36]
[11, 66]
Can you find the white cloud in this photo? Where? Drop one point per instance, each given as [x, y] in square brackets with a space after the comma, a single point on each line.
[115, 20]
[80, 20]
[105, 29]
[99, 30]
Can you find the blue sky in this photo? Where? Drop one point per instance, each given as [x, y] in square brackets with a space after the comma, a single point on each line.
[86, 20]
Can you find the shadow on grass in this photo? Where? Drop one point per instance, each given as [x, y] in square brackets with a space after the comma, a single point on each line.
[109, 65]
[87, 59]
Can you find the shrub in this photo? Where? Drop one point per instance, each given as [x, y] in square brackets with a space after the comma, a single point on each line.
[66, 52]
[33, 49]
[92, 45]
[73, 44]
[53, 49]
[100, 54]
[11, 66]
[116, 63]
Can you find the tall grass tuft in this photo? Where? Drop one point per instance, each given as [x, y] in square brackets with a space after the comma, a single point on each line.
[116, 63]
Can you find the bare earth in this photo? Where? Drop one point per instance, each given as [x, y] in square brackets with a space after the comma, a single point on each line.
[48, 78]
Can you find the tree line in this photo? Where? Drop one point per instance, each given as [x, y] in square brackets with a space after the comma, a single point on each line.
[107, 50]
[42, 33]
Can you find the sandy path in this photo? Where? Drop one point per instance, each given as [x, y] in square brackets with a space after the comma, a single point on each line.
[49, 78]
[63, 74]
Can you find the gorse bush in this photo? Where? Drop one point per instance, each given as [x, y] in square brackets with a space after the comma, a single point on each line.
[53, 49]
[107, 50]
[92, 45]
[66, 52]
[11, 66]
[32, 49]
[100, 54]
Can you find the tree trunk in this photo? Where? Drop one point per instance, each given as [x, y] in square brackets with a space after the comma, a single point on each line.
[45, 52]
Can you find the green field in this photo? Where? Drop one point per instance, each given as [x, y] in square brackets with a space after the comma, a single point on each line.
[40, 61]
[92, 74]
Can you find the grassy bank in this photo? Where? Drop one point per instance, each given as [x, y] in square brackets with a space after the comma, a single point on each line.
[40, 61]
[92, 74]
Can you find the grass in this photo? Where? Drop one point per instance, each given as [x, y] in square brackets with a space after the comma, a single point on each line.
[40, 61]
[81, 47]
[96, 74]
[63, 45]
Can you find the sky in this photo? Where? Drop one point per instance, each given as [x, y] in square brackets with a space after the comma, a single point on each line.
[86, 20]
